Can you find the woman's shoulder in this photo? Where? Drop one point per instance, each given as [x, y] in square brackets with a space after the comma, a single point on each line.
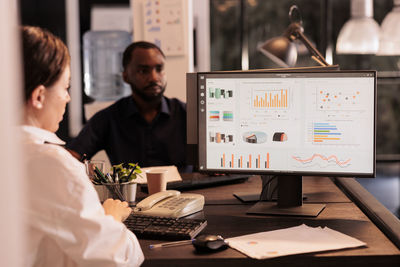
[54, 158]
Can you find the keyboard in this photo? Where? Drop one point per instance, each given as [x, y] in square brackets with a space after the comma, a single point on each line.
[161, 228]
[196, 180]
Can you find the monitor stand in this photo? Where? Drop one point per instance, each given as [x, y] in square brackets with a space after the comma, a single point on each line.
[290, 200]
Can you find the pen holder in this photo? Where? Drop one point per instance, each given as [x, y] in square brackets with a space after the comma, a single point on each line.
[127, 192]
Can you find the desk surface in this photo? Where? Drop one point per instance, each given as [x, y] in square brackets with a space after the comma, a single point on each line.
[227, 216]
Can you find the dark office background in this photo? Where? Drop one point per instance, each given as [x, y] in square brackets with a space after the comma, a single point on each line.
[256, 21]
[50, 14]
[235, 23]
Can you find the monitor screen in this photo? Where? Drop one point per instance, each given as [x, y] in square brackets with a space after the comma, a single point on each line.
[287, 123]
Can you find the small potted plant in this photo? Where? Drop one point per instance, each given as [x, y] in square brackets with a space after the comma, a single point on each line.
[124, 176]
[120, 184]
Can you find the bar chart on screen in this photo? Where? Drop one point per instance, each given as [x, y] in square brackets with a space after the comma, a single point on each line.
[220, 93]
[334, 133]
[243, 161]
[270, 99]
[325, 132]
[220, 137]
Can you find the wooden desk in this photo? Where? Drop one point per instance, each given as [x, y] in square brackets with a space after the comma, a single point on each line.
[227, 216]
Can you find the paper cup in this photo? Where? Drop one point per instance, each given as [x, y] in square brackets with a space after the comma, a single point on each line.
[156, 180]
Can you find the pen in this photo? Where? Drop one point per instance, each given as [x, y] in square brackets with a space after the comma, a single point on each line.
[133, 169]
[110, 178]
[119, 193]
[171, 244]
[100, 174]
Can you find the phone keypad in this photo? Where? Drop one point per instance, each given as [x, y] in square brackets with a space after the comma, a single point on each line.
[174, 203]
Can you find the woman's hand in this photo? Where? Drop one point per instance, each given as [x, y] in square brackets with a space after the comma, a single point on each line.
[119, 210]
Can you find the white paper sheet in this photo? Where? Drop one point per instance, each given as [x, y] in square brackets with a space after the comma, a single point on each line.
[172, 174]
[294, 240]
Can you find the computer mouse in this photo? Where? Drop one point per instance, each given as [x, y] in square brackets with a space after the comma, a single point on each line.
[209, 243]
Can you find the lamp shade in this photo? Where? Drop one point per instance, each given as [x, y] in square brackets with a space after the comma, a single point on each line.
[283, 51]
[390, 32]
[359, 35]
[280, 50]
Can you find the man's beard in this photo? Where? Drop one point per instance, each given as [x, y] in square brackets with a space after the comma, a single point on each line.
[148, 97]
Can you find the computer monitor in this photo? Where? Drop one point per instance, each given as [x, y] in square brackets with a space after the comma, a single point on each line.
[289, 124]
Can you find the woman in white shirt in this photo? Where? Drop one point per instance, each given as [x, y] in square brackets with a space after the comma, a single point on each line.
[67, 225]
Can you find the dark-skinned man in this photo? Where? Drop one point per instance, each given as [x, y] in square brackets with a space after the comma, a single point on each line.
[145, 128]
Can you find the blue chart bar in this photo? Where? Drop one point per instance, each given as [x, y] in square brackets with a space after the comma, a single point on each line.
[325, 132]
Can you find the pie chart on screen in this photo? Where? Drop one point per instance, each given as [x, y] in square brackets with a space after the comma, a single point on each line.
[279, 137]
[254, 137]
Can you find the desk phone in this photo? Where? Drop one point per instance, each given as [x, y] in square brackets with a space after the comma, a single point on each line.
[171, 204]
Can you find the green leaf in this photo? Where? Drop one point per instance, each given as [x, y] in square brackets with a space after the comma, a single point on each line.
[125, 170]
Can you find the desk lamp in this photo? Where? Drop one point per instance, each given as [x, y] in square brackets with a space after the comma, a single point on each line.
[283, 51]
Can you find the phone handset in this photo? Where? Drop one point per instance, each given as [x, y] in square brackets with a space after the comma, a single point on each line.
[150, 201]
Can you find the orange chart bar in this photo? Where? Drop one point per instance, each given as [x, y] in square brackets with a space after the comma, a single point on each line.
[277, 99]
[320, 138]
[228, 161]
[325, 132]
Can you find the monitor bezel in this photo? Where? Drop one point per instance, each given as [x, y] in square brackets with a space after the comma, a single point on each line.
[227, 74]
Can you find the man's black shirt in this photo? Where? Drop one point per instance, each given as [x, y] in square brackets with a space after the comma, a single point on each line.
[127, 137]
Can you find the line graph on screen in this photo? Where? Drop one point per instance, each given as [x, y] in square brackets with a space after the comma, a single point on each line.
[321, 160]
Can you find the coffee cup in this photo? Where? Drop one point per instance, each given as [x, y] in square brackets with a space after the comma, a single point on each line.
[156, 180]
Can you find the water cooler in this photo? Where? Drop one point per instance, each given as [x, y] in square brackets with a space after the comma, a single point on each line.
[102, 64]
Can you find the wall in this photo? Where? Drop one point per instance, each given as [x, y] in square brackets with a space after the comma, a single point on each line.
[177, 65]
[11, 190]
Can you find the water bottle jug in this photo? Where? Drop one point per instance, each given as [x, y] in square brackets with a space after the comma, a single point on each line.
[102, 53]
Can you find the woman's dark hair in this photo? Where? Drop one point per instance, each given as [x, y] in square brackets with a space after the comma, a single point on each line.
[45, 57]
[126, 58]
